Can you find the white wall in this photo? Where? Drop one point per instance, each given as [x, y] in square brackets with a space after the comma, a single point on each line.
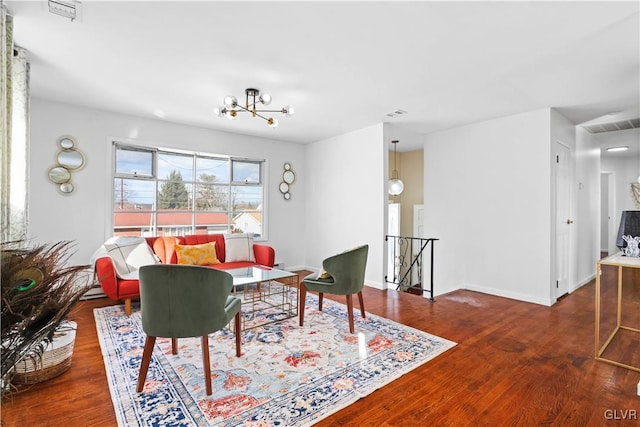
[588, 210]
[84, 216]
[346, 198]
[488, 198]
[625, 170]
[626, 167]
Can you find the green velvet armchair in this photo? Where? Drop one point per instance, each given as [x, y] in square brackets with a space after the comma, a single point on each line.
[345, 273]
[180, 301]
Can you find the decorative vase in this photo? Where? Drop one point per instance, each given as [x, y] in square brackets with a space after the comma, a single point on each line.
[632, 248]
[55, 360]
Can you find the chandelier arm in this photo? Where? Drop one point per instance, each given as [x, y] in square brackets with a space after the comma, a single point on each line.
[269, 111]
[242, 109]
[261, 116]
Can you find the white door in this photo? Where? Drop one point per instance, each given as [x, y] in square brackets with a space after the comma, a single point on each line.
[563, 219]
[393, 229]
[418, 231]
[613, 221]
[608, 220]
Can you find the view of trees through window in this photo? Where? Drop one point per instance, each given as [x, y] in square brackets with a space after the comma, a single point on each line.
[158, 192]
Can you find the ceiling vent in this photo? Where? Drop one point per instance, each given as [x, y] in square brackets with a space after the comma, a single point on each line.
[396, 113]
[614, 126]
[66, 8]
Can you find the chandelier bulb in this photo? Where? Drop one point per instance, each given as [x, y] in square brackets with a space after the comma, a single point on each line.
[272, 122]
[219, 111]
[231, 114]
[288, 110]
[265, 98]
[230, 101]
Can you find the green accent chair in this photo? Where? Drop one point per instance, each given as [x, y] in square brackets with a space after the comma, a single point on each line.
[346, 271]
[180, 301]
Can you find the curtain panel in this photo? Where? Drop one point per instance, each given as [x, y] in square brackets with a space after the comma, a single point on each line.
[6, 63]
[19, 144]
[14, 130]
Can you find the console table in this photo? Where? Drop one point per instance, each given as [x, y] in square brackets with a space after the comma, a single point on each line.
[620, 261]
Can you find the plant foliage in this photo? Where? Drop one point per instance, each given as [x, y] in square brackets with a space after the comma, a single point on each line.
[38, 292]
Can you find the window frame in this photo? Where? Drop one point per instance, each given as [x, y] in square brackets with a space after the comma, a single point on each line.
[154, 211]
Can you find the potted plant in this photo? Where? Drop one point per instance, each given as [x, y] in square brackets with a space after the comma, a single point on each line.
[38, 292]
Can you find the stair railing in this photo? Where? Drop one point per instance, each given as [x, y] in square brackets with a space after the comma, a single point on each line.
[407, 274]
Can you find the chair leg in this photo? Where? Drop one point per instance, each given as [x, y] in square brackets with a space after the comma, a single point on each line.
[206, 363]
[174, 345]
[350, 312]
[127, 306]
[303, 299]
[361, 301]
[146, 359]
[320, 298]
[238, 337]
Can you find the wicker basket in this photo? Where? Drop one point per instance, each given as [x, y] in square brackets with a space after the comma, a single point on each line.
[55, 360]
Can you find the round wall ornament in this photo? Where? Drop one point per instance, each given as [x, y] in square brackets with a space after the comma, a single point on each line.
[288, 177]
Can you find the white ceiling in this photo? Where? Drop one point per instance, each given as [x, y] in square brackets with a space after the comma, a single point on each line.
[342, 65]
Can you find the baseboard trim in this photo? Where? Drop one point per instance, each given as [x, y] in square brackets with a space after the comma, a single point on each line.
[582, 283]
[510, 295]
[376, 285]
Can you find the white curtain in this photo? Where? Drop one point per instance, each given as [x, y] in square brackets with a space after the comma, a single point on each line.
[14, 128]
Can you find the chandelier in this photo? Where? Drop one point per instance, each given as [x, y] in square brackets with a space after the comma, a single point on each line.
[231, 107]
[396, 186]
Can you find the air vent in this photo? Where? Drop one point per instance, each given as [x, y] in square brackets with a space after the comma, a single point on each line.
[66, 8]
[614, 126]
[396, 113]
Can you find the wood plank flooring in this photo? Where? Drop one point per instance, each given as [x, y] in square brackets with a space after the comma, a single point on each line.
[516, 364]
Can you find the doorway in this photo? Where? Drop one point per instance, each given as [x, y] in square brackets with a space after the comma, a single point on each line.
[608, 233]
[563, 219]
[393, 250]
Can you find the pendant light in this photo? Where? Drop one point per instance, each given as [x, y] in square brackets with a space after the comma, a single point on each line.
[396, 186]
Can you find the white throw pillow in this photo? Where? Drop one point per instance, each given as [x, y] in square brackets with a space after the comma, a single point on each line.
[238, 247]
[128, 257]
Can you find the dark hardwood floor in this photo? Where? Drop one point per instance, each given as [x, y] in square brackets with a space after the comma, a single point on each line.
[515, 364]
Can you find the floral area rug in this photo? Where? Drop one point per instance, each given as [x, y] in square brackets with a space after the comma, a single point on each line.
[287, 375]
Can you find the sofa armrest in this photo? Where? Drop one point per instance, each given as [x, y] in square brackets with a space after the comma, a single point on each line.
[106, 275]
[265, 255]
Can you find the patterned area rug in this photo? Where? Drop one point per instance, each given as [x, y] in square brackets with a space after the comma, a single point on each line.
[286, 375]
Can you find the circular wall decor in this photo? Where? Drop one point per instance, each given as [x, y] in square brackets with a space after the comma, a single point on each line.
[59, 175]
[288, 177]
[69, 159]
[67, 187]
[66, 142]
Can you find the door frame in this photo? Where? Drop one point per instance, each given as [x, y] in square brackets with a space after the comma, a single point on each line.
[556, 292]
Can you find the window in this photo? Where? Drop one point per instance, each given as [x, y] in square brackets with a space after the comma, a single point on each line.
[159, 192]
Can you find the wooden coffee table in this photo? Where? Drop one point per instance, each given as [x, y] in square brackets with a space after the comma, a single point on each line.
[268, 294]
